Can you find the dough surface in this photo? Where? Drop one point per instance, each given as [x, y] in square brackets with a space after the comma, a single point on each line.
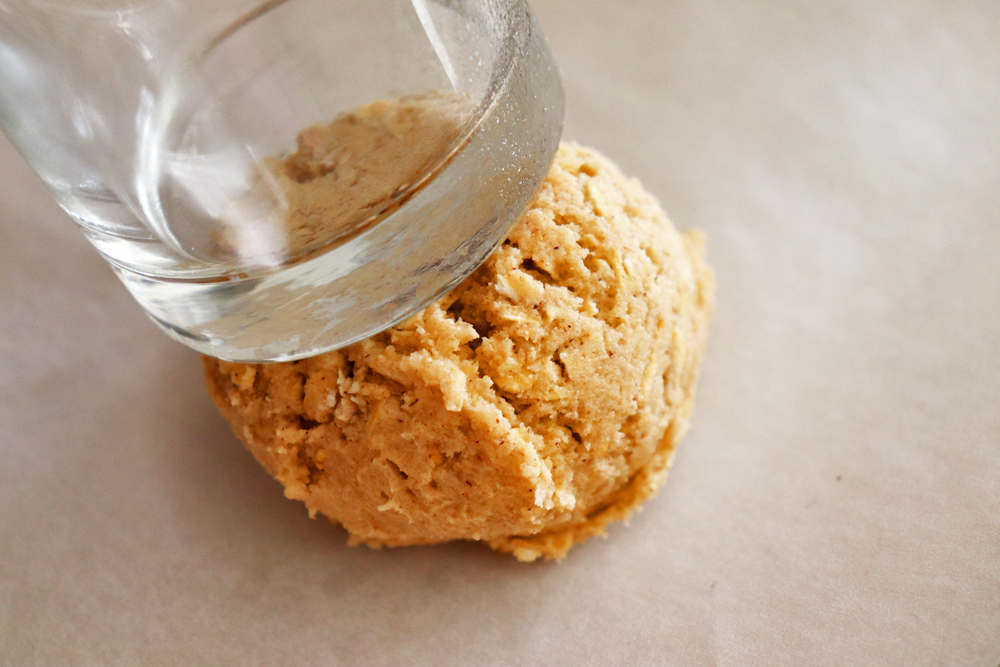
[538, 401]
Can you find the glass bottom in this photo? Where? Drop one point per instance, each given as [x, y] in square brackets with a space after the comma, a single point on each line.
[397, 266]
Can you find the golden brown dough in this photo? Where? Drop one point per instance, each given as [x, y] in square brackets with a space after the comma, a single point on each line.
[538, 401]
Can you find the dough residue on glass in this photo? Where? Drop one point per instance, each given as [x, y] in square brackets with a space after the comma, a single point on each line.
[343, 176]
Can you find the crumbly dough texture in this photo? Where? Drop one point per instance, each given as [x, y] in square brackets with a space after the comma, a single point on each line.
[533, 405]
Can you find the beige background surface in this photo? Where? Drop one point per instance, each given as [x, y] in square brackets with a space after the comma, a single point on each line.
[837, 503]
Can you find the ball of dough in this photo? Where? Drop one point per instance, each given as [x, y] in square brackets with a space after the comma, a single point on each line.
[538, 401]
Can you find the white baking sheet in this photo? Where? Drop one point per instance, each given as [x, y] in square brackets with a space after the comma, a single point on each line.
[837, 502]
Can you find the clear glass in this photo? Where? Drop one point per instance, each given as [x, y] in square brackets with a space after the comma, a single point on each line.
[169, 130]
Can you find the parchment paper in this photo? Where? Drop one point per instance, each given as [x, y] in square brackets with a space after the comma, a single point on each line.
[837, 502]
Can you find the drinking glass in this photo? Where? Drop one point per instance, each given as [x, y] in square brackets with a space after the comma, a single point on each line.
[148, 120]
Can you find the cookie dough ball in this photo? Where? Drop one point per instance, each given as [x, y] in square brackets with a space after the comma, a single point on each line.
[538, 401]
